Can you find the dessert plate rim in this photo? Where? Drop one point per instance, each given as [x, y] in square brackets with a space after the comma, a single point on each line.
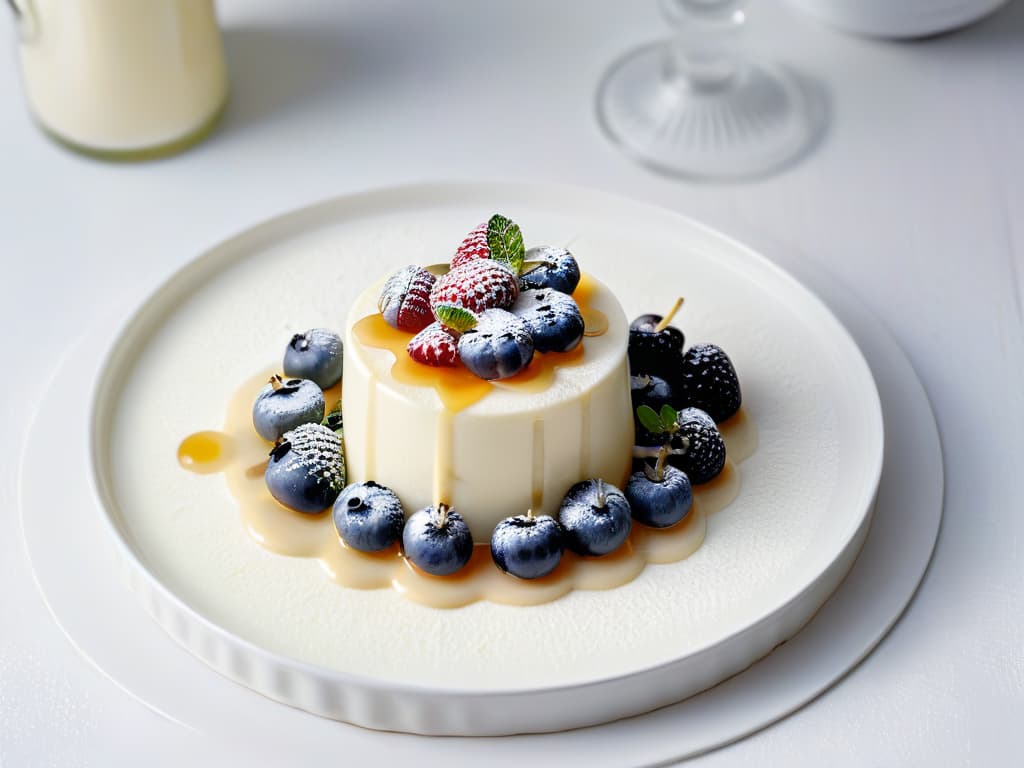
[285, 224]
[181, 689]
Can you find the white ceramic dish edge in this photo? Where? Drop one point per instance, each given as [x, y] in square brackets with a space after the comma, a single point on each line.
[181, 688]
[415, 709]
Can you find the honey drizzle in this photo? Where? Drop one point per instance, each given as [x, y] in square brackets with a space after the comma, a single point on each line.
[537, 471]
[370, 447]
[456, 386]
[585, 435]
[205, 452]
[443, 447]
[595, 322]
[285, 532]
[242, 455]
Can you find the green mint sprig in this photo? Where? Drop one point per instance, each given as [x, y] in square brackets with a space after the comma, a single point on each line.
[659, 423]
[663, 423]
[457, 318]
[505, 240]
[334, 421]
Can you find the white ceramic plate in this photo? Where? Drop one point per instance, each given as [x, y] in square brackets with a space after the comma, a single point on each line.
[102, 620]
[281, 627]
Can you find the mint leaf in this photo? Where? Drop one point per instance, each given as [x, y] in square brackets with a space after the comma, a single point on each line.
[334, 420]
[456, 318]
[505, 240]
[668, 416]
[649, 419]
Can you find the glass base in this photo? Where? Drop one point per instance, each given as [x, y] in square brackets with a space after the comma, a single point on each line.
[753, 123]
[143, 153]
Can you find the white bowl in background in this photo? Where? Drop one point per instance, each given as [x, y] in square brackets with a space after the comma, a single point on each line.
[897, 18]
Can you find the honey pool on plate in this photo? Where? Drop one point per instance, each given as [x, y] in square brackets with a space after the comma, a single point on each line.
[241, 455]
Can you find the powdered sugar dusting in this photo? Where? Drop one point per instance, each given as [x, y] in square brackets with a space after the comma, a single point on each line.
[318, 451]
[473, 247]
[476, 286]
[405, 299]
[552, 318]
[434, 345]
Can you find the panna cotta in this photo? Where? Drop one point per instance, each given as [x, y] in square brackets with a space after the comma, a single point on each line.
[500, 400]
[491, 450]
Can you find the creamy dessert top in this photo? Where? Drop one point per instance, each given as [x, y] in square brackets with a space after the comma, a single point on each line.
[489, 449]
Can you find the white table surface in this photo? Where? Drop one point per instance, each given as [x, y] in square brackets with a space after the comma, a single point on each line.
[914, 198]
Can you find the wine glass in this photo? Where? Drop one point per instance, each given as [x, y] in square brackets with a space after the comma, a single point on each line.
[694, 106]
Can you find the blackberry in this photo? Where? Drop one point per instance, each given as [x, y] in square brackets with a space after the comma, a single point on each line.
[709, 381]
[655, 352]
[698, 448]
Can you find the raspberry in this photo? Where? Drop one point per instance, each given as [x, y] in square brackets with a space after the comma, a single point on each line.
[476, 285]
[434, 345]
[405, 300]
[473, 247]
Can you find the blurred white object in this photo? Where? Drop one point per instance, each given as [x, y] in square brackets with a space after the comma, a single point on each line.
[898, 18]
[122, 78]
[695, 106]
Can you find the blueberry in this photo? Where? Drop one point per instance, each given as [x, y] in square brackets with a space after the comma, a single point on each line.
[558, 270]
[652, 391]
[284, 404]
[659, 503]
[306, 470]
[698, 448]
[552, 318]
[315, 355]
[595, 516]
[437, 540]
[527, 547]
[497, 347]
[709, 381]
[368, 516]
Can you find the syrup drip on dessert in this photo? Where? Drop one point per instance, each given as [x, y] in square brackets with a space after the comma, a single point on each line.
[370, 449]
[585, 438]
[285, 532]
[595, 322]
[443, 465]
[537, 474]
[456, 386]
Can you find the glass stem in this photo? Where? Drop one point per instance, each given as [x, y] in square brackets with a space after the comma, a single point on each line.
[703, 54]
